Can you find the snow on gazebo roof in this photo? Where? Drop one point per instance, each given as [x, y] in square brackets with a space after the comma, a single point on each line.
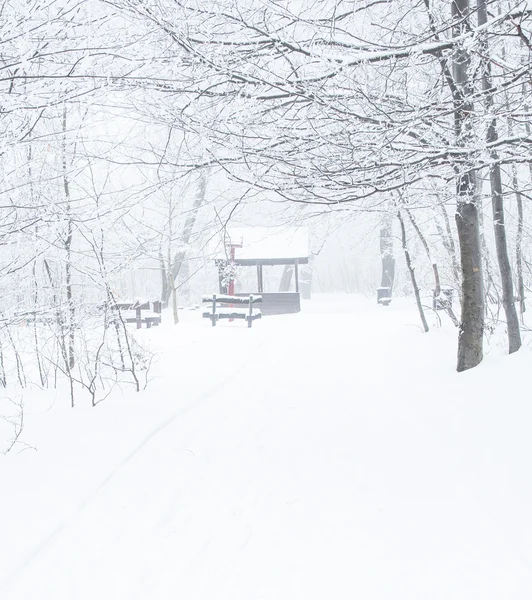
[266, 245]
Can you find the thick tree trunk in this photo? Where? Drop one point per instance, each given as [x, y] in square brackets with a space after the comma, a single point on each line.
[497, 202]
[412, 273]
[470, 338]
[472, 321]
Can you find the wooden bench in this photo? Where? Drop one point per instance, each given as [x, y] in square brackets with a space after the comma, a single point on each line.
[138, 307]
[231, 313]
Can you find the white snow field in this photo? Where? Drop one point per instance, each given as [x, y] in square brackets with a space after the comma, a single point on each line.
[330, 455]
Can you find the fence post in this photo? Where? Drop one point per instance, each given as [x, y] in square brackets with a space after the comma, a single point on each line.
[250, 315]
[213, 318]
[138, 317]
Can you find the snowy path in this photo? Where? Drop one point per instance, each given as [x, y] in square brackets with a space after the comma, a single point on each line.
[326, 463]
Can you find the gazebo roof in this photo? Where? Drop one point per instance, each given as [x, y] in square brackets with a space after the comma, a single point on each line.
[266, 245]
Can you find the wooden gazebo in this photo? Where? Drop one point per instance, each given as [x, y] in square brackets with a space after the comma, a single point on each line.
[261, 247]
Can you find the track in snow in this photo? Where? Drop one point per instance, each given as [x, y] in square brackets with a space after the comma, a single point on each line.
[310, 469]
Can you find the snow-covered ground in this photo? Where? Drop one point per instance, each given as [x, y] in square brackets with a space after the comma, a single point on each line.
[334, 454]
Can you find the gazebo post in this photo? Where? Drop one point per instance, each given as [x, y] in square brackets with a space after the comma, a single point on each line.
[260, 285]
[296, 274]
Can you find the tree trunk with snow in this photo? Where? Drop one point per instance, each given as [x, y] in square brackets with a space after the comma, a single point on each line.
[447, 239]
[69, 349]
[437, 284]
[497, 202]
[387, 258]
[470, 338]
[519, 245]
[412, 273]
